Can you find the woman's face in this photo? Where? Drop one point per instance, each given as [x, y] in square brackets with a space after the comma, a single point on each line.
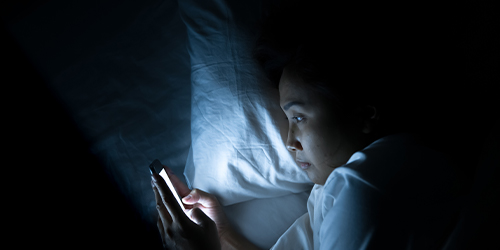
[318, 135]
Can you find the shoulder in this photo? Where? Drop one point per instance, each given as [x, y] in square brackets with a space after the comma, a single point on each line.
[369, 200]
[392, 170]
[397, 163]
[347, 190]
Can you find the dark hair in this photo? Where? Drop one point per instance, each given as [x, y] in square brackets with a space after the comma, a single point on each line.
[431, 71]
[342, 54]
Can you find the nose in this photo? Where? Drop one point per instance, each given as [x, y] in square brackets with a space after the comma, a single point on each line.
[292, 144]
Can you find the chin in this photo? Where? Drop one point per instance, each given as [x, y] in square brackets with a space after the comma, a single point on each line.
[319, 175]
[316, 179]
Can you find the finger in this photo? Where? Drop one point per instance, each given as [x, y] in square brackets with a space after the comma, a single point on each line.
[190, 213]
[159, 224]
[201, 218]
[162, 210]
[161, 228]
[169, 202]
[181, 188]
[202, 197]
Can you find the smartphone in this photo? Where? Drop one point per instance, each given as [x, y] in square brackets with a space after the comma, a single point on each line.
[157, 167]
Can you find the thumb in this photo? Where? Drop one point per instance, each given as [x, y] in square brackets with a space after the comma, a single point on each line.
[200, 218]
[201, 197]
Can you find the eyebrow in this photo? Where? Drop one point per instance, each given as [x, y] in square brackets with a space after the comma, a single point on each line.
[288, 105]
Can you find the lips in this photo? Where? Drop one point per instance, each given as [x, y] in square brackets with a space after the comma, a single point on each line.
[304, 165]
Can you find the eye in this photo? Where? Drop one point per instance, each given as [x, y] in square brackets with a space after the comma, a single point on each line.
[297, 118]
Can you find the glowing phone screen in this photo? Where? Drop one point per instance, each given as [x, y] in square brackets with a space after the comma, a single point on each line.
[171, 186]
[156, 167]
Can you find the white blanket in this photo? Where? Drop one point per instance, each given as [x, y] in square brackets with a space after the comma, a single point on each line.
[391, 195]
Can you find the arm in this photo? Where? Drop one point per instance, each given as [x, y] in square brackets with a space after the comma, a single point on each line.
[350, 212]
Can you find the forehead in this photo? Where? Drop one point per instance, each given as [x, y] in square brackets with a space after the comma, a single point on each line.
[293, 88]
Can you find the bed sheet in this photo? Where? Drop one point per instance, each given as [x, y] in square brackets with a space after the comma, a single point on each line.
[237, 126]
[122, 71]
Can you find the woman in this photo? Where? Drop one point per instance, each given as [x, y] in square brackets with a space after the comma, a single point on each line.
[372, 201]
[375, 187]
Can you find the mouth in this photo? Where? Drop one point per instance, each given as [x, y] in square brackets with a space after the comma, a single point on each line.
[304, 165]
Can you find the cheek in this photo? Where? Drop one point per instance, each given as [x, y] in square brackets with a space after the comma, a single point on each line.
[315, 143]
[324, 142]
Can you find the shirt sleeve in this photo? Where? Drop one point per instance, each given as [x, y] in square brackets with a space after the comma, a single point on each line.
[357, 215]
[350, 210]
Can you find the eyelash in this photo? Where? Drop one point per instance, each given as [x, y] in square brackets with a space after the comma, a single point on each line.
[296, 118]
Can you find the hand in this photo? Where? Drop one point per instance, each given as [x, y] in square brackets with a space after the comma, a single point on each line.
[176, 229]
[209, 204]
[229, 238]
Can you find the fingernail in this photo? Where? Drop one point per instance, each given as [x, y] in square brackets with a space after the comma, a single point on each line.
[187, 197]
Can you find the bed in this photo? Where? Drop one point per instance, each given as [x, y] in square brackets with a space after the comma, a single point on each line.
[174, 81]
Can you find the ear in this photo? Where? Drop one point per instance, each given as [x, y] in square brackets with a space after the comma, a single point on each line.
[369, 116]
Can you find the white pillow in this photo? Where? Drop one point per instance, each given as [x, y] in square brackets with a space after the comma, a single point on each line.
[237, 127]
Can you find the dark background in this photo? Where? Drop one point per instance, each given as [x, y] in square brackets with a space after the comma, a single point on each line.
[65, 199]
[58, 192]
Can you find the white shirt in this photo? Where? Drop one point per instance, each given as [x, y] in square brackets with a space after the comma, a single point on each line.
[393, 194]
